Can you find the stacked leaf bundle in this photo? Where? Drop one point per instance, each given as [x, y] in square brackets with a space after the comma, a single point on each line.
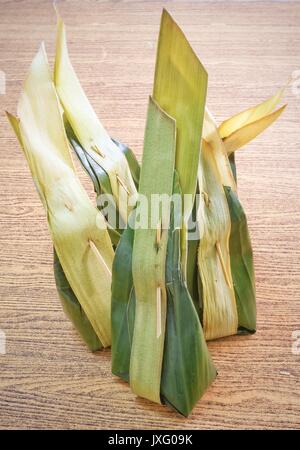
[151, 291]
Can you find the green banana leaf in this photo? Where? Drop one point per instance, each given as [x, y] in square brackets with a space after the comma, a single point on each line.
[239, 245]
[180, 86]
[149, 253]
[241, 261]
[187, 368]
[88, 129]
[237, 131]
[132, 161]
[101, 180]
[178, 369]
[73, 309]
[231, 158]
[70, 214]
[101, 184]
[69, 301]
[192, 256]
[123, 303]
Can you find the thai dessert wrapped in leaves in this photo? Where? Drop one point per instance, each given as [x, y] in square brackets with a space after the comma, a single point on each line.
[164, 262]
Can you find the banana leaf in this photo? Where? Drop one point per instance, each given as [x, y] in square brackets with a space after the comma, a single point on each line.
[241, 259]
[242, 269]
[245, 134]
[250, 115]
[236, 132]
[149, 253]
[192, 256]
[172, 366]
[101, 185]
[218, 309]
[231, 135]
[70, 303]
[187, 368]
[180, 86]
[218, 299]
[231, 158]
[88, 129]
[98, 175]
[164, 361]
[123, 303]
[73, 309]
[83, 249]
[101, 181]
[131, 160]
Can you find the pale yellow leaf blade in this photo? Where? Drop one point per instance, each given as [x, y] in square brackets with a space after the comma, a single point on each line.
[250, 115]
[87, 127]
[77, 228]
[243, 135]
[31, 100]
[212, 137]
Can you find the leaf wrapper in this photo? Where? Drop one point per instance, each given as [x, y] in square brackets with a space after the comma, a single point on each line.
[73, 309]
[174, 366]
[219, 312]
[247, 133]
[88, 129]
[250, 115]
[187, 368]
[238, 244]
[180, 86]
[148, 262]
[78, 231]
[241, 260]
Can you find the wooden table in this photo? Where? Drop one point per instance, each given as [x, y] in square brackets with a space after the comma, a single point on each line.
[48, 379]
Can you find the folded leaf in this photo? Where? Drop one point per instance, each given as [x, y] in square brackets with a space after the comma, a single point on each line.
[123, 303]
[78, 231]
[231, 158]
[73, 309]
[148, 261]
[241, 260]
[88, 129]
[236, 255]
[250, 115]
[131, 160]
[68, 299]
[212, 137]
[219, 305]
[180, 85]
[245, 134]
[100, 179]
[187, 368]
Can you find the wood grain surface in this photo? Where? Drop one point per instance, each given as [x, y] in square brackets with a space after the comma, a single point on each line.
[48, 379]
